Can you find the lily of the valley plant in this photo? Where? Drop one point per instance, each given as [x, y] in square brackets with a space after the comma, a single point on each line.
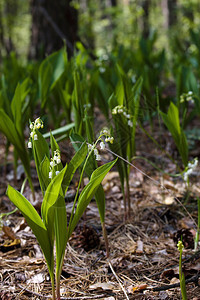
[51, 228]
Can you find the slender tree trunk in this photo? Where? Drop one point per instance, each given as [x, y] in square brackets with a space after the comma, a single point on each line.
[172, 7]
[53, 24]
[10, 9]
[189, 13]
[1, 36]
[90, 34]
[146, 6]
[113, 3]
[165, 12]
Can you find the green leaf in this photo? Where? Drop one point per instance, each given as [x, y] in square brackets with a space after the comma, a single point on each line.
[41, 153]
[61, 233]
[171, 120]
[88, 192]
[77, 101]
[77, 141]
[54, 144]
[16, 107]
[51, 196]
[91, 165]
[134, 110]
[8, 128]
[75, 162]
[50, 72]
[35, 222]
[44, 172]
[21, 92]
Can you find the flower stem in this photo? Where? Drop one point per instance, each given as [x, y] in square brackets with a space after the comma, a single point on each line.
[105, 239]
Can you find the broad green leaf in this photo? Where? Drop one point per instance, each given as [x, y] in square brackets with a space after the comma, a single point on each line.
[55, 217]
[171, 120]
[8, 128]
[60, 233]
[44, 172]
[1, 99]
[51, 196]
[41, 147]
[75, 162]
[78, 103]
[128, 95]
[120, 93]
[50, 71]
[54, 144]
[90, 167]
[134, 105]
[21, 92]
[103, 94]
[77, 141]
[89, 128]
[16, 107]
[5, 102]
[112, 101]
[35, 222]
[88, 192]
[134, 110]
[41, 153]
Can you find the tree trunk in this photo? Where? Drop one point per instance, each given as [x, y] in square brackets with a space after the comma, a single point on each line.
[53, 24]
[90, 33]
[113, 3]
[189, 13]
[165, 12]
[146, 6]
[172, 7]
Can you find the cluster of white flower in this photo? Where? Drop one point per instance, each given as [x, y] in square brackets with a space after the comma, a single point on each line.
[186, 97]
[37, 124]
[91, 147]
[108, 138]
[55, 160]
[87, 106]
[190, 168]
[120, 109]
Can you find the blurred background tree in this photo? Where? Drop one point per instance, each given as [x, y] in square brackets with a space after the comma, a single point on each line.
[36, 28]
[53, 23]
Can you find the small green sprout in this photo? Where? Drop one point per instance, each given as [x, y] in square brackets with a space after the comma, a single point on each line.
[181, 274]
[198, 227]
[180, 246]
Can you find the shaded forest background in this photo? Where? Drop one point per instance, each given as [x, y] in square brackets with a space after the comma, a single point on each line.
[36, 28]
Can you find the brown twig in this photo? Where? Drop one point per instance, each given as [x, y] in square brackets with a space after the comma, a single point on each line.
[62, 298]
[172, 286]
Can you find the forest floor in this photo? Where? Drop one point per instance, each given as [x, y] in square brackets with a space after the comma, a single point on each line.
[144, 259]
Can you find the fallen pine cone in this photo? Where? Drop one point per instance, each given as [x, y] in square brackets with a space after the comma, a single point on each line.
[85, 237]
[186, 236]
